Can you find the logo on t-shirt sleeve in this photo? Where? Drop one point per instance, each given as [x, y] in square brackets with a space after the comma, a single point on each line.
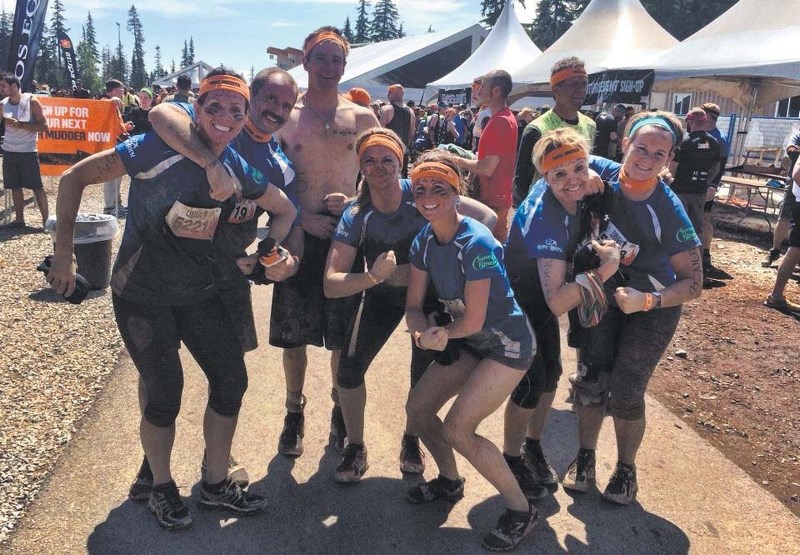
[686, 234]
[485, 262]
[256, 174]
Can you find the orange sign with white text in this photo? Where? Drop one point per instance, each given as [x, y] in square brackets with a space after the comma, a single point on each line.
[76, 128]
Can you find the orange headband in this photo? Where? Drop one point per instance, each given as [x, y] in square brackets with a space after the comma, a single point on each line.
[437, 170]
[322, 36]
[565, 74]
[560, 156]
[381, 140]
[225, 83]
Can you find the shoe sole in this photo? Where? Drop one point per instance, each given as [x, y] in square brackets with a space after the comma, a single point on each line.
[783, 309]
[580, 488]
[350, 479]
[618, 500]
[528, 530]
[292, 452]
[172, 527]
[453, 498]
[140, 494]
[217, 506]
[412, 469]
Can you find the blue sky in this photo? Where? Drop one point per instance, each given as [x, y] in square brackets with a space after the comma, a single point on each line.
[237, 33]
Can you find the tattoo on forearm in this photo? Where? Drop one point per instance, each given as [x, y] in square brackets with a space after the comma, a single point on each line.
[697, 271]
[106, 163]
[546, 277]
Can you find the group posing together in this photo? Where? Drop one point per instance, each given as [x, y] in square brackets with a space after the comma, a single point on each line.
[608, 243]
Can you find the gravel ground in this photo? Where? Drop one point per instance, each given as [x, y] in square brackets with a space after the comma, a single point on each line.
[55, 358]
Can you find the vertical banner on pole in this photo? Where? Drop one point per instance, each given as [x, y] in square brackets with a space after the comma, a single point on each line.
[70, 62]
[25, 37]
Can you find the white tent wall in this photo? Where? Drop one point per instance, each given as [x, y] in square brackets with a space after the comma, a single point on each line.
[609, 34]
[507, 47]
[197, 71]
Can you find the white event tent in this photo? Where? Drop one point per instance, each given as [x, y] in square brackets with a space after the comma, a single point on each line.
[412, 61]
[609, 34]
[197, 71]
[507, 47]
[748, 54]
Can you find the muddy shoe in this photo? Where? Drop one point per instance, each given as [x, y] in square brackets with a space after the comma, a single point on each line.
[412, 459]
[236, 472]
[512, 527]
[581, 473]
[783, 305]
[353, 466]
[531, 488]
[622, 486]
[537, 463]
[290, 443]
[143, 484]
[166, 503]
[338, 429]
[438, 488]
[772, 256]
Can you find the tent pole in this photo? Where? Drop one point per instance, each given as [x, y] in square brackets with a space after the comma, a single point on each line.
[748, 116]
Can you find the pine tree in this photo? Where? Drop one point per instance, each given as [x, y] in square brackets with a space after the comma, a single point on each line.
[491, 10]
[553, 18]
[172, 68]
[347, 30]
[55, 76]
[5, 35]
[138, 71]
[89, 57]
[401, 32]
[191, 50]
[159, 70]
[430, 29]
[44, 68]
[185, 55]
[105, 60]
[683, 18]
[384, 24]
[362, 23]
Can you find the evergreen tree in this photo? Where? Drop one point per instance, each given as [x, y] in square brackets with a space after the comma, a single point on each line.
[384, 24]
[138, 71]
[553, 18]
[45, 63]
[55, 76]
[491, 9]
[172, 68]
[683, 18]
[185, 55]
[191, 50]
[105, 59]
[159, 70]
[430, 29]
[347, 30]
[6, 25]
[362, 22]
[88, 57]
[401, 32]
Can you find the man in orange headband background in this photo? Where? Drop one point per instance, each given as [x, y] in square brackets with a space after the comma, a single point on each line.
[319, 138]
[496, 150]
[400, 119]
[568, 84]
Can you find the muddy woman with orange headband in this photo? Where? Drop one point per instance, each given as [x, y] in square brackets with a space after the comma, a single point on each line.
[661, 260]
[490, 339]
[381, 223]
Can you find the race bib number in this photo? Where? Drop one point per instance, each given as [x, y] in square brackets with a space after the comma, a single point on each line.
[628, 250]
[244, 211]
[193, 223]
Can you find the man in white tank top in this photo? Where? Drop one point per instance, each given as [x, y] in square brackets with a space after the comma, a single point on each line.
[24, 120]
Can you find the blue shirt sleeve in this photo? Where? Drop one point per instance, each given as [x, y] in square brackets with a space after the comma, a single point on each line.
[545, 232]
[141, 152]
[350, 228]
[481, 258]
[416, 255]
[608, 170]
[677, 232]
[254, 182]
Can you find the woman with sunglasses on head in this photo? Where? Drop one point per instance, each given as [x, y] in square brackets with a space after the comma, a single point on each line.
[661, 259]
[380, 225]
[489, 335]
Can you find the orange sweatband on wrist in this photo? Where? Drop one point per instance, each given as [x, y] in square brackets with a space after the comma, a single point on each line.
[562, 155]
[322, 36]
[438, 171]
[648, 302]
[225, 83]
[381, 140]
[565, 74]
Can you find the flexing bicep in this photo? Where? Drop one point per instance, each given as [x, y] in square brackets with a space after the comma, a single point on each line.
[175, 127]
[476, 302]
[560, 295]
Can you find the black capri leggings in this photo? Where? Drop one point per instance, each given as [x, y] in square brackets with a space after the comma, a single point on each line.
[545, 370]
[153, 336]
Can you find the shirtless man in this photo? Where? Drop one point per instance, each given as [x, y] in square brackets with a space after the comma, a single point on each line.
[319, 138]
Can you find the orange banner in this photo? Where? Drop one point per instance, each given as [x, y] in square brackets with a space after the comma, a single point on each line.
[76, 128]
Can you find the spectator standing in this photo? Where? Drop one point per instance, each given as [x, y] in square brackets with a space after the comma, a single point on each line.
[140, 115]
[781, 232]
[400, 119]
[606, 138]
[776, 298]
[183, 93]
[112, 197]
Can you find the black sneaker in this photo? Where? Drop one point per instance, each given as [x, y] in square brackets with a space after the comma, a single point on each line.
[143, 484]
[236, 472]
[537, 464]
[772, 256]
[353, 466]
[531, 488]
[715, 273]
[622, 486]
[338, 429]
[166, 503]
[290, 443]
[233, 498]
[580, 474]
[438, 488]
[412, 459]
[510, 529]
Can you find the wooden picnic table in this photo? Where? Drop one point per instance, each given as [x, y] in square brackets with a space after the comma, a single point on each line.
[768, 172]
[754, 188]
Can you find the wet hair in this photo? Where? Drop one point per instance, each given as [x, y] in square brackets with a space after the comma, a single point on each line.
[563, 136]
[499, 78]
[222, 70]
[568, 63]
[363, 198]
[329, 29]
[263, 76]
[668, 117]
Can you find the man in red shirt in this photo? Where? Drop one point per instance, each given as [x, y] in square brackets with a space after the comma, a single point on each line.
[496, 150]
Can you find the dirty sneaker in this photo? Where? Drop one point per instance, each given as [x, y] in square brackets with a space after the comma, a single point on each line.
[290, 443]
[438, 488]
[338, 429]
[166, 503]
[353, 465]
[230, 496]
[531, 488]
[143, 484]
[772, 256]
[537, 463]
[622, 486]
[510, 529]
[236, 471]
[580, 474]
[412, 459]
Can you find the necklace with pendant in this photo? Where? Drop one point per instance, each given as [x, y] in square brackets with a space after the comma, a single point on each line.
[319, 117]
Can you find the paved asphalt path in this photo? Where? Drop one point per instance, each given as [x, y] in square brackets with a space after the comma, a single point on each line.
[691, 499]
